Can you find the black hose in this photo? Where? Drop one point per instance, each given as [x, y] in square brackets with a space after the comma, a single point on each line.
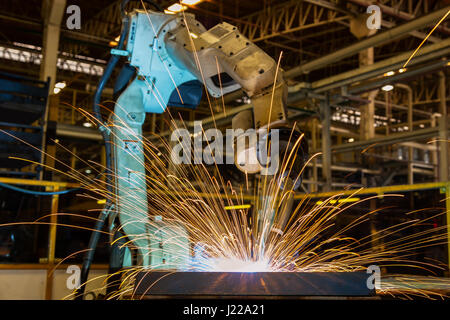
[89, 256]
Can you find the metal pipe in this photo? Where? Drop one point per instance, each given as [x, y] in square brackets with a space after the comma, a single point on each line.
[388, 80]
[72, 131]
[425, 54]
[391, 139]
[375, 40]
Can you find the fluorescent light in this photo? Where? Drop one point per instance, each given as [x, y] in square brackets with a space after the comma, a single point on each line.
[389, 73]
[60, 85]
[56, 90]
[387, 87]
[191, 2]
[87, 124]
[176, 7]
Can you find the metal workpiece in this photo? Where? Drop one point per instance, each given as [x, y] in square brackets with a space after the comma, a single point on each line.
[252, 284]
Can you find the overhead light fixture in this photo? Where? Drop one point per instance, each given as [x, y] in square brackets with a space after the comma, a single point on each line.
[401, 70]
[168, 12]
[87, 124]
[389, 73]
[193, 35]
[191, 2]
[351, 140]
[176, 7]
[88, 171]
[60, 85]
[115, 42]
[387, 87]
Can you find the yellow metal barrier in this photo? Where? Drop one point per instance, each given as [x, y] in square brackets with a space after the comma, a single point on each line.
[50, 186]
[443, 186]
[56, 186]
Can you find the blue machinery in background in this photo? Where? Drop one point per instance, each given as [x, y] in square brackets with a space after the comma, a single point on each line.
[22, 107]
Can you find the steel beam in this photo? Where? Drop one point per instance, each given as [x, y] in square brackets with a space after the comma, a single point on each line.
[390, 139]
[395, 12]
[398, 77]
[377, 190]
[426, 53]
[286, 18]
[384, 37]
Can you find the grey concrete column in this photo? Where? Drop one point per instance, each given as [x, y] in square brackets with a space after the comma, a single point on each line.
[52, 14]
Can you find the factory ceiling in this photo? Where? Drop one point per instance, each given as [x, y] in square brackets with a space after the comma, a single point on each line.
[301, 30]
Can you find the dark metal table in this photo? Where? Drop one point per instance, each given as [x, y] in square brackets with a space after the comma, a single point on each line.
[155, 284]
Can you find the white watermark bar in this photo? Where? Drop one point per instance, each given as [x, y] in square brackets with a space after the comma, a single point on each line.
[250, 150]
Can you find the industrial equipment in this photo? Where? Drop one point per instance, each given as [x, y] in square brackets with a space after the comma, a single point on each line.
[170, 58]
